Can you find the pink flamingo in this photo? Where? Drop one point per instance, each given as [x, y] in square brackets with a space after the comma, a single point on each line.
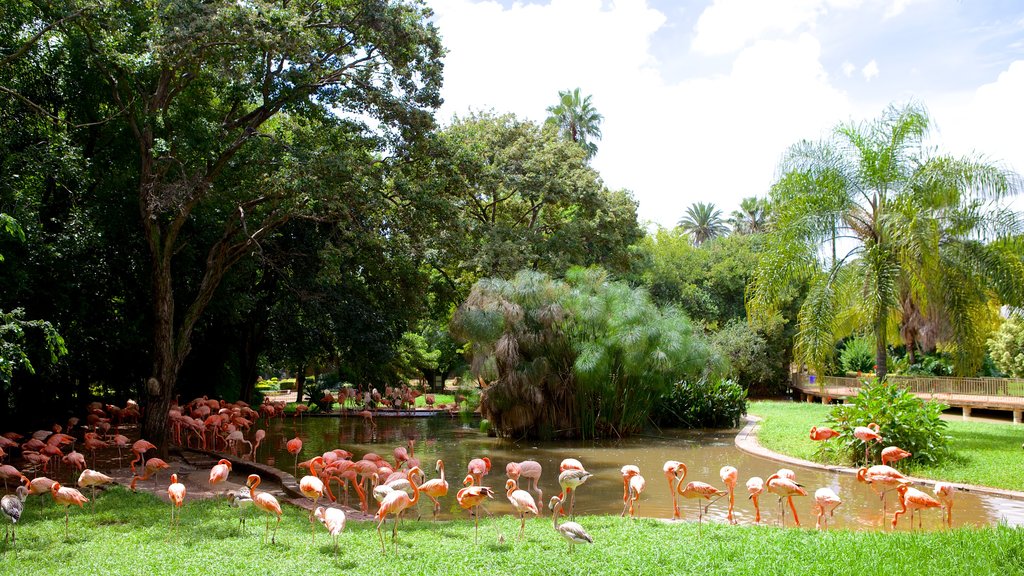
[436, 488]
[395, 503]
[697, 490]
[67, 497]
[478, 468]
[176, 493]
[886, 476]
[785, 488]
[266, 502]
[822, 433]
[220, 471]
[671, 468]
[312, 487]
[912, 499]
[867, 434]
[826, 503]
[294, 447]
[523, 503]
[891, 454]
[529, 470]
[730, 476]
[944, 494]
[334, 520]
[634, 484]
[471, 497]
[260, 435]
[755, 486]
[93, 479]
[139, 448]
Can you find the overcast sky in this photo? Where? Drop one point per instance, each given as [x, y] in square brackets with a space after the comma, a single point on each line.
[701, 98]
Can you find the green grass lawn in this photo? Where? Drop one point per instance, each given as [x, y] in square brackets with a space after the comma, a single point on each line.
[127, 534]
[984, 453]
[421, 401]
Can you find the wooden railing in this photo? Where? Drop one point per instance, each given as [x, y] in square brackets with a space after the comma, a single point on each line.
[924, 385]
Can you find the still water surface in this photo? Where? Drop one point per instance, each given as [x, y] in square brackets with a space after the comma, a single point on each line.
[703, 451]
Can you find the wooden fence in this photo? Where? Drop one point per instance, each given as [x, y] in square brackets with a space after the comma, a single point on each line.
[923, 385]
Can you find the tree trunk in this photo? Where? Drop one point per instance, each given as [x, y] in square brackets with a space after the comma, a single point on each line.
[249, 370]
[300, 383]
[911, 352]
[160, 386]
[880, 351]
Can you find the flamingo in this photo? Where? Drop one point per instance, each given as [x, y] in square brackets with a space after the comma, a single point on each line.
[8, 472]
[67, 497]
[755, 486]
[571, 531]
[893, 454]
[395, 503]
[260, 435]
[634, 484]
[39, 486]
[436, 488]
[697, 490]
[93, 479]
[219, 472]
[153, 465]
[570, 480]
[266, 502]
[528, 469]
[866, 434]
[570, 464]
[822, 433]
[176, 492]
[730, 476]
[478, 468]
[671, 469]
[139, 448]
[785, 488]
[886, 476]
[334, 520]
[470, 497]
[312, 487]
[242, 500]
[12, 505]
[294, 447]
[522, 501]
[944, 494]
[913, 499]
[826, 503]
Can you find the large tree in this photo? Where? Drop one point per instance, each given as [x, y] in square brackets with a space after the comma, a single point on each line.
[576, 120]
[703, 222]
[908, 225]
[752, 217]
[224, 104]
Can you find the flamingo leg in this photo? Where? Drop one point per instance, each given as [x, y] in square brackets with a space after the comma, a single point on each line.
[379, 535]
[522, 525]
[796, 518]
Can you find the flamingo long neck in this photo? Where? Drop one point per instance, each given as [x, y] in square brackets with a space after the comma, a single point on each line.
[252, 489]
[440, 465]
[554, 514]
[415, 490]
[681, 478]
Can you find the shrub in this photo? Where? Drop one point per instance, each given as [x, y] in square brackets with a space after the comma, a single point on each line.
[1006, 346]
[858, 355]
[904, 420]
[703, 404]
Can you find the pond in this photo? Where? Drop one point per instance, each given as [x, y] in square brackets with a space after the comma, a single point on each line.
[703, 451]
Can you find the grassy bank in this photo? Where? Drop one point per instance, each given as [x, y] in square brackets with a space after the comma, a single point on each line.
[984, 453]
[127, 534]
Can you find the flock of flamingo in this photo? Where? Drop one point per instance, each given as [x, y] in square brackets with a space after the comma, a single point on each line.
[397, 486]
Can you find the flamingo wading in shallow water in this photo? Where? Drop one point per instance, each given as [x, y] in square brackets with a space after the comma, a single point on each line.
[785, 488]
[944, 494]
[730, 476]
[826, 502]
[672, 469]
[755, 486]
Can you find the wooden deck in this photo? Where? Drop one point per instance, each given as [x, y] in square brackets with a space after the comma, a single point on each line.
[966, 402]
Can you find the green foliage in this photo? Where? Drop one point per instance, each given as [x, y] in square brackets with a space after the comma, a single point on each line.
[858, 354]
[707, 403]
[904, 420]
[920, 241]
[747, 352]
[1006, 347]
[576, 120]
[703, 222]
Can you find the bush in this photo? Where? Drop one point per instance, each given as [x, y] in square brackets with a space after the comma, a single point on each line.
[1006, 346]
[703, 404]
[904, 420]
[858, 355]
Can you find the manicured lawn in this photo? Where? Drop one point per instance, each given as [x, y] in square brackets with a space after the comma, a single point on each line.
[127, 534]
[984, 453]
[421, 401]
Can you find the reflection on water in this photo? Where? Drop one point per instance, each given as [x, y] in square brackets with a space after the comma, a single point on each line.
[703, 452]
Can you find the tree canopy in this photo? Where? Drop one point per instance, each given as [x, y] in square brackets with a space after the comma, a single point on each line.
[576, 120]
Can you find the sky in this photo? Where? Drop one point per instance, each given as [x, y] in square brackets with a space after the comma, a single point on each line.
[701, 99]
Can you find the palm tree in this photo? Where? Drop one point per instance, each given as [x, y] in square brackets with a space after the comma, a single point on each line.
[917, 234]
[703, 222]
[576, 119]
[752, 217]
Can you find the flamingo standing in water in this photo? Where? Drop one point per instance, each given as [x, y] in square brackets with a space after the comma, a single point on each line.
[266, 502]
[67, 497]
[571, 479]
[260, 435]
[436, 488]
[944, 494]
[522, 501]
[472, 497]
[672, 468]
[912, 499]
[633, 484]
[826, 503]
[176, 493]
[867, 434]
[153, 465]
[478, 468]
[395, 503]
[334, 520]
[294, 447]
[891, 454]
[527, 469]
[785, 488]
[755, 486]
[730, 476]
[885, 476]
[571, 531]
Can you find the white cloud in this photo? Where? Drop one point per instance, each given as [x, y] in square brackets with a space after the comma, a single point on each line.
[870, 70]
[728, 25]
[897, 7]
[848, 69]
